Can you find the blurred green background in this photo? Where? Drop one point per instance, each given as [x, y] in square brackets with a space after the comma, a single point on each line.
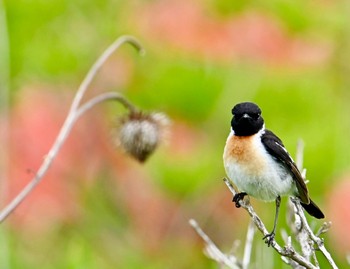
[100, 209]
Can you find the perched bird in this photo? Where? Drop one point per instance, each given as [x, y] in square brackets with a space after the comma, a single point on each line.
[258, 164]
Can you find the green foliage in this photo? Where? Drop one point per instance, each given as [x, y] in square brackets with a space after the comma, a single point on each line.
[188, 88]
[56, 41]
[51, 38]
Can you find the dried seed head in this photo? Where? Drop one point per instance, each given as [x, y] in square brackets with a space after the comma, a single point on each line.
[140, 133]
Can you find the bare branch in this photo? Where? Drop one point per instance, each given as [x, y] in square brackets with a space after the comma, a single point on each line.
[248, 245]
[287, 251]
[318, 241]
[297, 226]
[299, 156]
[74, 113]
[305, 235]
[296, 220]
[324, 228]
[107, 96]
[99, 63]
[213, 251]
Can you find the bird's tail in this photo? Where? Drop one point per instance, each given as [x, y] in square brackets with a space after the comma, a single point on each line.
[313, 210]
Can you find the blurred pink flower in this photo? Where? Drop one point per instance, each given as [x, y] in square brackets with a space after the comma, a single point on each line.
[338, 212]
[34, 124]
[153, 216]
[188, 26]
[35, 121]
[191, 140]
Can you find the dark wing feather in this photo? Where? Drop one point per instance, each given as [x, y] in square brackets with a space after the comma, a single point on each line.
[275, 147]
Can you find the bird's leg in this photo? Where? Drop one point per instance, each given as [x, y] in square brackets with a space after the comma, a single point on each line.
[271, 236]
[238, 197]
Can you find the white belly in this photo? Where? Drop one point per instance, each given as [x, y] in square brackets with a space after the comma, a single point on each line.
[253, 170]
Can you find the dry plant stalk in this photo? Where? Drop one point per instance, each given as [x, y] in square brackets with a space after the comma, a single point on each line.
[309, 241]
[78, 109]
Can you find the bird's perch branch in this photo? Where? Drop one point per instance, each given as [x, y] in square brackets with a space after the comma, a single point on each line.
[303, 234]
[287, 251]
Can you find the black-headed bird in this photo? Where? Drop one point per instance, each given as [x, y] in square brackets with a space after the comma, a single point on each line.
[258, 164]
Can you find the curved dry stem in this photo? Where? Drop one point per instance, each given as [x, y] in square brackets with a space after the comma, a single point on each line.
[107, 96]
[99, 63]
[61, 138]
[74, 113]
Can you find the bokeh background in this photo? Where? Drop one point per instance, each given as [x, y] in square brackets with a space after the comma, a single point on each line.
[97, 207]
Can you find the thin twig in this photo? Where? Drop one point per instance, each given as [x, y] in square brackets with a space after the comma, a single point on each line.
[299, 156]
[212, 250]
[318, 241]
[107, 96]
[287, 251]
[248, 245]
[299, 214]
[288, 241]
[73, 115]
[324, 228]
[300, 232]
[99, 63]
[317, 264]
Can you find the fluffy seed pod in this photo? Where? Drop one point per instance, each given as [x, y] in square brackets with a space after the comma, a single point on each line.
[140, 134]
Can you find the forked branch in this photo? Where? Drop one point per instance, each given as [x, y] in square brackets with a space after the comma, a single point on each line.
[287, 252]
[76, 111]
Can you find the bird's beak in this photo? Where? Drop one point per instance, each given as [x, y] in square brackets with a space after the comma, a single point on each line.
[246, 116]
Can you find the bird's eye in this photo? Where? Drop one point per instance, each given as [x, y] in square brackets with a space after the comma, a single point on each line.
[238, 116]
[255, 116]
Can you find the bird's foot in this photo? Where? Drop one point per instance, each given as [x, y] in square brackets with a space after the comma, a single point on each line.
[270, 239]
[238, 197]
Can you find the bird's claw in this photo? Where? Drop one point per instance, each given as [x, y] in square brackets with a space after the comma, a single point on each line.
[269, 239]
[238, 197]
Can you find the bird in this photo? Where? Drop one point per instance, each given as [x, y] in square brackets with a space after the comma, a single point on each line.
[258, 164]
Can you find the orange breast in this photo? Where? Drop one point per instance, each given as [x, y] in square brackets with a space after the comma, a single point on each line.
[247, 152]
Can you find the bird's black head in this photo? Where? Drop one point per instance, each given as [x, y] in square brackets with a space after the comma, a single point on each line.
[246, 119]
